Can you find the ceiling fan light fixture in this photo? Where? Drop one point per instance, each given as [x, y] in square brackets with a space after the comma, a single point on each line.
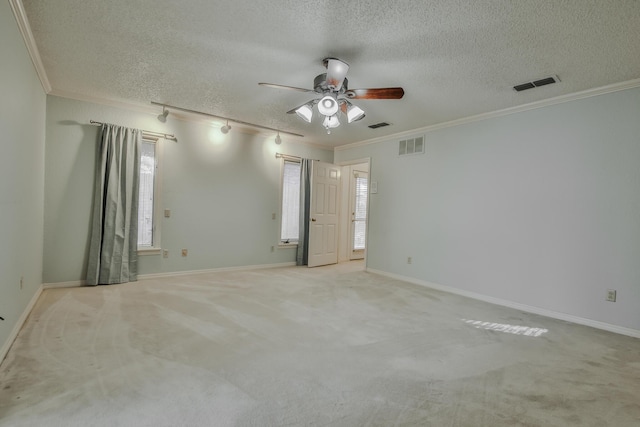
[226, 128]
[331, 122]
[336, 73]
[354, 113]
[328, 106]
[334, 95]
[163, 116]
[305, 112]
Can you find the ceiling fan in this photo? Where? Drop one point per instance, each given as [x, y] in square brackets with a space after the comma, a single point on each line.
[336, 95]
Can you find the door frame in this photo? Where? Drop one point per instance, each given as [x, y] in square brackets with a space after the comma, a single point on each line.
[344, 215]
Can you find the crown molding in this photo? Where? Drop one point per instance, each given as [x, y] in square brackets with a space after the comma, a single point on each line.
[616, 87]
[30, 42]
[109, 102]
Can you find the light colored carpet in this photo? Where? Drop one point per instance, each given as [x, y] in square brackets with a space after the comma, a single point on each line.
[331, 346]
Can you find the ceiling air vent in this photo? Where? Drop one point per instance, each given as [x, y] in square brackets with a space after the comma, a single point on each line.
[379, 125]
[411, 146]
[537, 83]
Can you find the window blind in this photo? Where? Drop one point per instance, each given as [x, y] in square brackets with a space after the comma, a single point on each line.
[145, 197]
[290, 202]
[360, 213]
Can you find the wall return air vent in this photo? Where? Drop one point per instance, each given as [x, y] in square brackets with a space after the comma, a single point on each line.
[411, 146]
[537, 83]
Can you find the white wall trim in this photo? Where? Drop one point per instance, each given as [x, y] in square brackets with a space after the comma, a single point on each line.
[616, 87]
[215, 270]
[4, 350]
[117, 103]
[25, 29]
[72, 284]
[345, 212]
[505, 303]
[78, 283]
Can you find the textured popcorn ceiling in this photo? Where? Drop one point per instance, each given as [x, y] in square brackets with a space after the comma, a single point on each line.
[453, 58]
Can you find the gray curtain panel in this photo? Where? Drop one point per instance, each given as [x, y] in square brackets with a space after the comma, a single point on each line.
[113, 251]
[302, 255]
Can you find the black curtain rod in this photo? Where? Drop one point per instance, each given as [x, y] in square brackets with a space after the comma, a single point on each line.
[279, 155]
[148, 132]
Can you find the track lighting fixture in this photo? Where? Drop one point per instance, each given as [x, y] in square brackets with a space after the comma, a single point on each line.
[224, 129]
[163, 117]
[278, 139]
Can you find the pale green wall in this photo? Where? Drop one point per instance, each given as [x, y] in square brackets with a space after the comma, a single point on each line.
[221, 191]
[22, 120]
[540, 208]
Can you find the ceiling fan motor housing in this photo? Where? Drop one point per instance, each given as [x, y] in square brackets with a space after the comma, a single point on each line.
[320, 84]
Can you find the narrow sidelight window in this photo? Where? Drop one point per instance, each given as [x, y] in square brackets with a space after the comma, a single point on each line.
[290, 215]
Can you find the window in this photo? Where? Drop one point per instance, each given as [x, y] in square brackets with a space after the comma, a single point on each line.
[360, 213]
[149, 198]
[290, 215]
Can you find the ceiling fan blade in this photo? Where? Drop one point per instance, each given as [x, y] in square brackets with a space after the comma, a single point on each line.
[293, 110]
[377, 93]
[275, 86]
[336, 72]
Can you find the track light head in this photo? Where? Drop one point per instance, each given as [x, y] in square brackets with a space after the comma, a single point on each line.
[278, 139]
[226, 128]
[163, 117]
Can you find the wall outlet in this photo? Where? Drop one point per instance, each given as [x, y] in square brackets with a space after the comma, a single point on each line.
[185, 252]
[273, 248]
[167, 213]
[273, 216]
[409, 260]
[165, 253]
[611, 295]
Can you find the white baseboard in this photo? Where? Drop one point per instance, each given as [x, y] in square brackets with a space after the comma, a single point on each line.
[505, 303]
[73, 284]
[16, 328]
[77, 283]
[215, 270]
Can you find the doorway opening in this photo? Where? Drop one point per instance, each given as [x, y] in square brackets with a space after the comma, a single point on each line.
[354, 211]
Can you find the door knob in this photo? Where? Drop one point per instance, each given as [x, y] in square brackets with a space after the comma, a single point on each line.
[313, 219]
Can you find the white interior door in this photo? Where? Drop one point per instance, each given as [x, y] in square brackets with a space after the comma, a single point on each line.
[323, 218]
[359, 190]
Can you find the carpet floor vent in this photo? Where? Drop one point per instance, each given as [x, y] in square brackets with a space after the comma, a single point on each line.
[537, 83]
